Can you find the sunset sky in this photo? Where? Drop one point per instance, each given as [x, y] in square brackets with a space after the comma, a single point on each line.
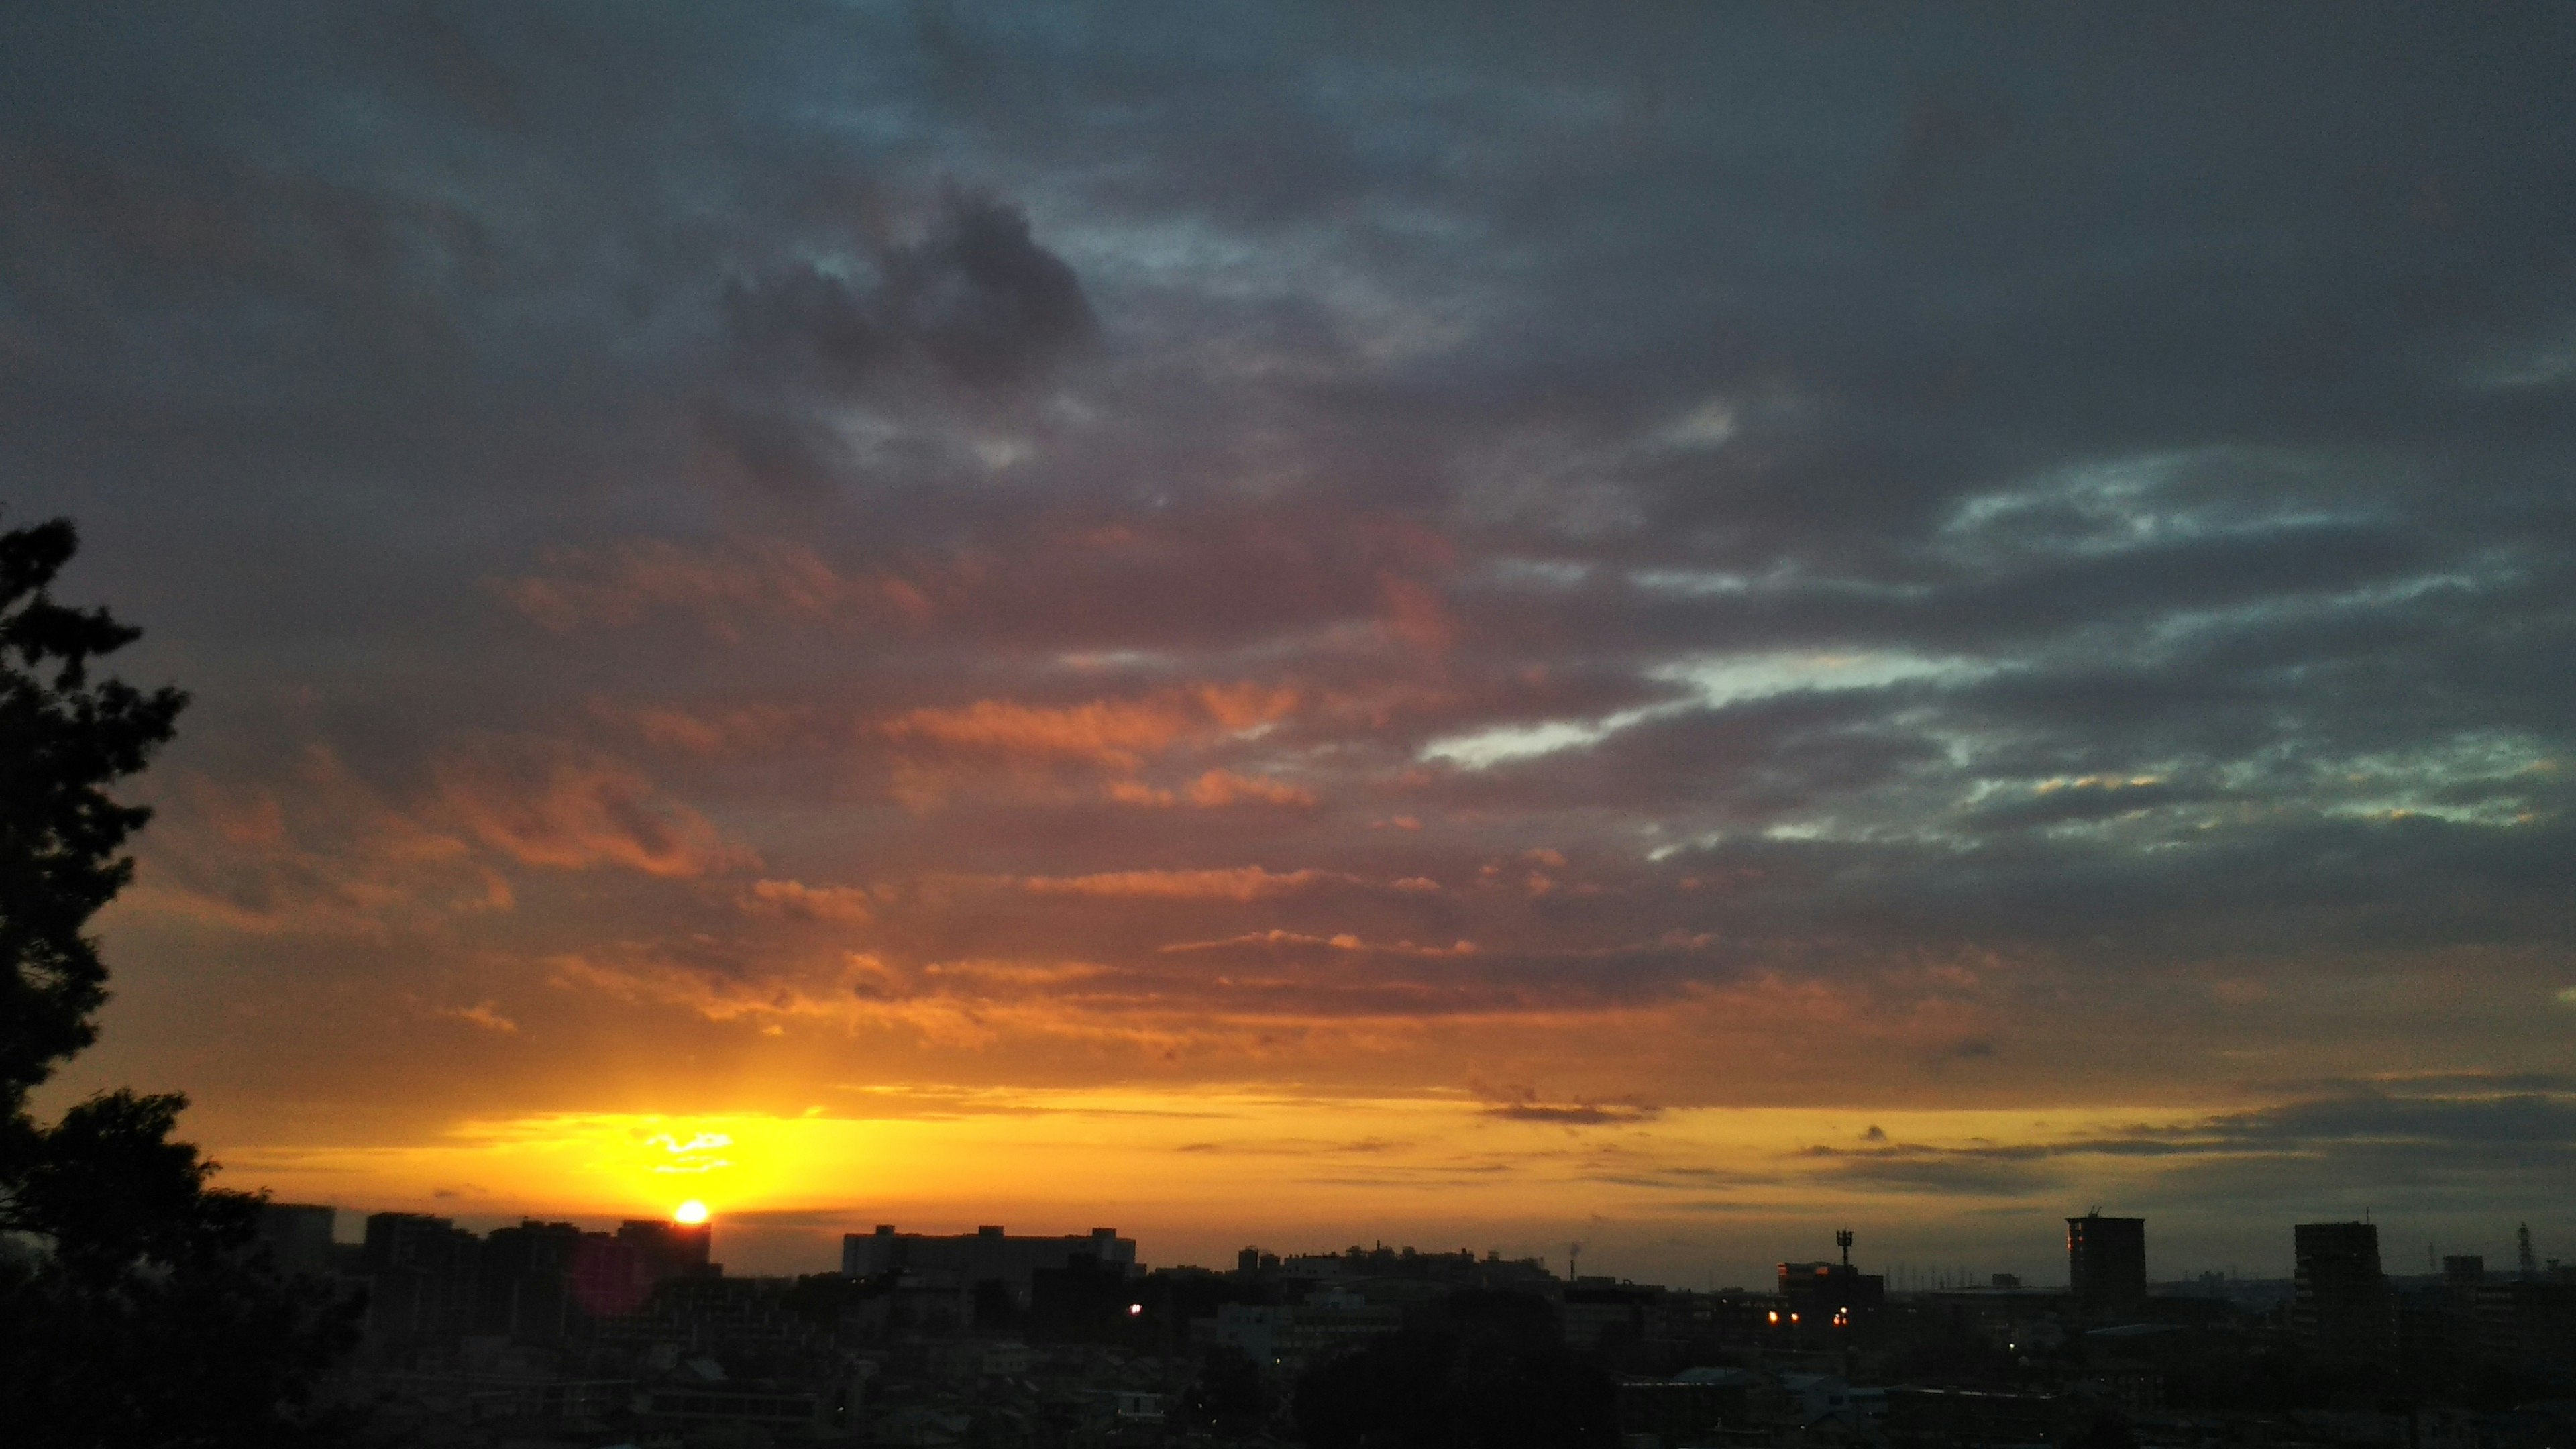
[1667, 628]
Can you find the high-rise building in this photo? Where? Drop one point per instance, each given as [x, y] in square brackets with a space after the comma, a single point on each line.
[667, 1249]
[423, 1272]
[527, 1280]
[297, 1235]
[2106, 1262]
[2341, 1309]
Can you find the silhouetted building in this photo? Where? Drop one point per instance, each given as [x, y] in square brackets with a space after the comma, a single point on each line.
[527, 1283]
[423, 1273]
[726, 1317]
[2106, 1263]
[987, 1255]
[2527, 1324]
[1830, 1295]
[1600, 1312]
[2341, 1309]
[297, 1235]
[665, 1249]
[1283, 1338]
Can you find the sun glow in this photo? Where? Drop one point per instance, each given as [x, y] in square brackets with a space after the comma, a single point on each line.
[1198, 1156]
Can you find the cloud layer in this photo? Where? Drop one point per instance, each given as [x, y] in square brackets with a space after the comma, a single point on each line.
[1712, 560]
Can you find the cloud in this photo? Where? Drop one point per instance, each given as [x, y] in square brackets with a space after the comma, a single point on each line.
[1938, 605]
[1340, 941]
[976, 297]
[314, 850]
[1527, 1106]
[485, 1015]
[1114, 733]
[1241, 883]
[1214, 790]
[560, 809]
[723, 587]
[1220, 788]
[842, 905]
[747, 730]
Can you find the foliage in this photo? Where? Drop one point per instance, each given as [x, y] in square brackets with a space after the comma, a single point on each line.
[64, 739]
[136, 1306]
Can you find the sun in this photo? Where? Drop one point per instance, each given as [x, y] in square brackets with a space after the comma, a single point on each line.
[692, 1211]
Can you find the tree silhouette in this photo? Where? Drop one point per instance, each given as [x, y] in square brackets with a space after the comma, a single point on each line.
[138, 1310]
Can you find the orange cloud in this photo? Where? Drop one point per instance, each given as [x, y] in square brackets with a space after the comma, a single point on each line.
[1246, 706]
[1109, 732]
[484, 1014]
[797, 901]
[1244, 884]
[623, 584]
[1415, 614]
[754, 727]
[1116, 733]
[716, 996]
[319, 853]
[564, 810]
[1215, 790]
[1343, 941]
[1219, 788]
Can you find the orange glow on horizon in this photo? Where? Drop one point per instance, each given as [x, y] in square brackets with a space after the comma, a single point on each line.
[1197, 1155]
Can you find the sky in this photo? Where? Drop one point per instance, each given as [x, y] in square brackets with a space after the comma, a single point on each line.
[1664, 628]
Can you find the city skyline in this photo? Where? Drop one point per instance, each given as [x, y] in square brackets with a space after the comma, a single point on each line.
[773, 1245]
[1292, 627]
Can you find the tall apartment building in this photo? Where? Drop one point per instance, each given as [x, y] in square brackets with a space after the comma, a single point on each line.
[2341, 1309]
[422, 1272]
[666, 1249]
[2106, 1263]
[297, 1235]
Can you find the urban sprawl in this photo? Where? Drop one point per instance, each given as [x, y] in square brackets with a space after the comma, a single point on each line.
[545, 1334]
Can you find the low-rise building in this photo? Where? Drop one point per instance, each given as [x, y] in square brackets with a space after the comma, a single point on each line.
[987, 1255]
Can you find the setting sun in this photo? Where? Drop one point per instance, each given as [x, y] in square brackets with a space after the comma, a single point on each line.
[691, 1211]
